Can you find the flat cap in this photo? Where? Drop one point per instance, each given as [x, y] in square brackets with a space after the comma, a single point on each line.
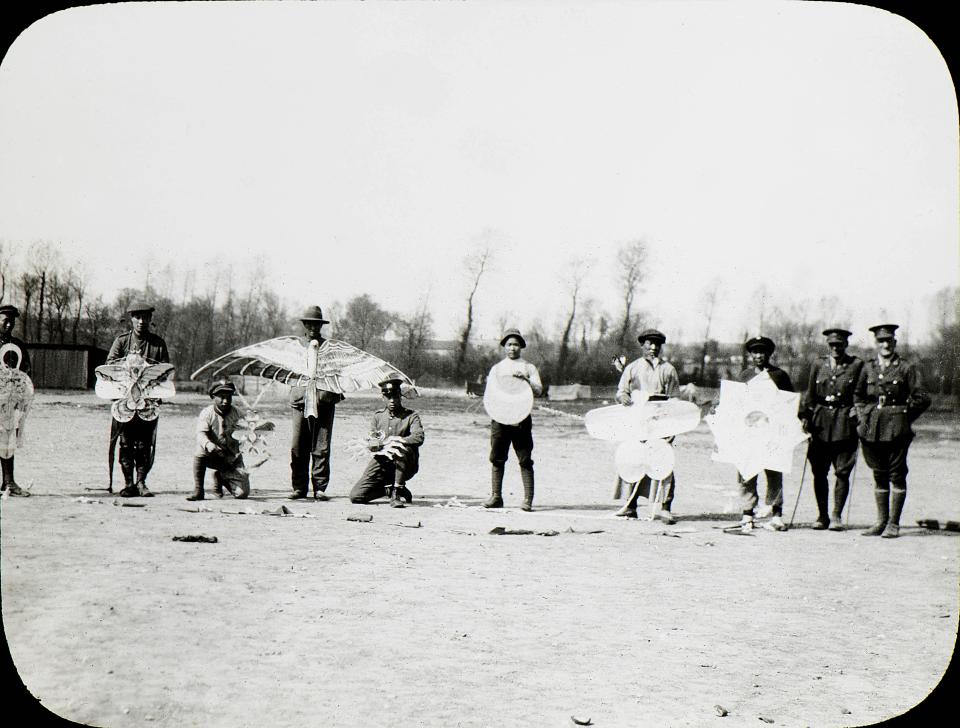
[837, 335]
[222, 386]
[651, 335]
[9, 309]
[515, 333]
[760, 343]
[313, 313]
[884, 331]
[138, 305]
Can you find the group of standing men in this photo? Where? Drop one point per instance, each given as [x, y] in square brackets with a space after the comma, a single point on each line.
[848, 403]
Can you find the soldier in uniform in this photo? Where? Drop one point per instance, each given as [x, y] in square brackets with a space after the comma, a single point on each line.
[760, 349]
[310, 450]
[650, 374]
[830, 419]
[8, 319]
[137, 438]
[388, 475]
[888, 397]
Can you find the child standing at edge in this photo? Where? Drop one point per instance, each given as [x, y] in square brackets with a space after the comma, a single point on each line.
[519, 435]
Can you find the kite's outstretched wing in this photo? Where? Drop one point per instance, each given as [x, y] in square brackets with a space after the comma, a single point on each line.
[341, 367]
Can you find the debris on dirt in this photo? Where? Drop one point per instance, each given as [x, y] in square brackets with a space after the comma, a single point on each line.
[721, 711]
[87, 500]
[417, 524]
[668, 533]
[765, 719]
[454, 502]
[196, 539]
[501, 531]
[573, 530]
[360, 517]
[464, 533]
[127, 504]
[278, 511]
[845, 711]
[932, 524]
[580, 721]
[198, 509]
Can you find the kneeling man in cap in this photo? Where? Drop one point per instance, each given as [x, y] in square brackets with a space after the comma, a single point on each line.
[889, 396]
[396, 435]
[217, 448]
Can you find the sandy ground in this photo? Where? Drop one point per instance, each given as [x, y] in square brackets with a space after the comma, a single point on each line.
[319, 620]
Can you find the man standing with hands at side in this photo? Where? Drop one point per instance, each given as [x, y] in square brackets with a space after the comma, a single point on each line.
[889, 396]
[830, 419]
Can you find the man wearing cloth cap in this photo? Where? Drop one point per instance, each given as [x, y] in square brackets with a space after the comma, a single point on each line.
[830, 419]
[137, 438]
[8, 319]
[520, 435]
[650, 374]
[396, 435]
[760, 348]
[217, 449]
[310, 451]
[889, 396]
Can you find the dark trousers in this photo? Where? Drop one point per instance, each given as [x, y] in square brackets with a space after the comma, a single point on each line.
[381, 473]
[136, 447]
[519, 435]
[842, 455]
[888, 461]
[310, 451]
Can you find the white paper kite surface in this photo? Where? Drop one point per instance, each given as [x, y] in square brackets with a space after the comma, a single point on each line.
[636, 459]
[643, 420]
[756, 426]
[507, 399]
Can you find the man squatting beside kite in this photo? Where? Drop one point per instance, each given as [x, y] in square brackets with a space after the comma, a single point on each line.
[396, 435]
[217, 448]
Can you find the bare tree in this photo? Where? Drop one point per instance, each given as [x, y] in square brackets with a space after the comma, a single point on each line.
[631, 264]
[416, 331]
[474, 266]
[364, 321]
[708, 301]
[573, 282]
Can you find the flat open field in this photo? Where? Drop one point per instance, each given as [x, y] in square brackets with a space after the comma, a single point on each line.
[319, 620]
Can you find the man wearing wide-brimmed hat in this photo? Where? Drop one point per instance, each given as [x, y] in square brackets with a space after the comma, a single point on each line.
[217, 448]
[519, 435]
[137, 438]
[310, 449]
[830, 418]
[396, 435]
[760, 349]
[889, 396]
[8, 319]
[650, 374]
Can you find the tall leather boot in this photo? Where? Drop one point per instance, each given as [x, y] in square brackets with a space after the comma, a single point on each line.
[142, 482]
[9, 484]
[394, 494]
[526, 475]
[199, 472]
[126, 467]
[821, 491]
[496, 488]
[898, 497]
[840, 491]
[882, 496]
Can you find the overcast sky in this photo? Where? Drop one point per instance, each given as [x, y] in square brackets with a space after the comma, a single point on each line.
[344, 148]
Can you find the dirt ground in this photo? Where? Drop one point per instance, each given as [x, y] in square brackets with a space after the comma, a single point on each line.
[317, 620]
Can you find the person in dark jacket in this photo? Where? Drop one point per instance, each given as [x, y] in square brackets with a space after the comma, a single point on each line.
[760, 349]
[888, 397]
[137, 438]
[396, 435]
[8, 319]
[830, 418]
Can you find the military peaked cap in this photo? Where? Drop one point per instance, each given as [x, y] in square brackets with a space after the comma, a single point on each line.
[761, 343]
[390, 386]
[9, 309]
[223, 386]
[837, 335]
[884, 331]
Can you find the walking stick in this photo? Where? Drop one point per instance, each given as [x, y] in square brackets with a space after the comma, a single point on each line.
[853, 478]
[656, 498]
[799, 490]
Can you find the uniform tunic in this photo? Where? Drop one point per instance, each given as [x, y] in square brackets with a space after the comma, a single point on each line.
[382, 472]
[774, 478]
[888, 399]
[216, 431]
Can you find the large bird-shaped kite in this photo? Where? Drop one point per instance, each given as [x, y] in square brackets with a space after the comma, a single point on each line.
[16, 395]
[756, 426]
[331, 366]
[135, 386]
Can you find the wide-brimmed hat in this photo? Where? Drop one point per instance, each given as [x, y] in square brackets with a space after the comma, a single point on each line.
[223, 386]
[9, 309]
[513, 332]
[651, 335]
[138, 305]
[313, 313]
[837, 335]
[760, 343]
[884, 331]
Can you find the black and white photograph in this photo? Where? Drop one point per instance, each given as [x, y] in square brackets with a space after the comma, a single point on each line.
[480, 363]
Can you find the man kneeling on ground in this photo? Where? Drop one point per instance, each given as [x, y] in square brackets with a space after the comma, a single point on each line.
[217, 448]
[396, 435]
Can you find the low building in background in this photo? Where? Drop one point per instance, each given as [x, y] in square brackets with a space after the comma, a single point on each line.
[65, 366]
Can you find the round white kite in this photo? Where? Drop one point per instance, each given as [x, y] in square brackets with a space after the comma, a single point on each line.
[636, 459]
[507, 399]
